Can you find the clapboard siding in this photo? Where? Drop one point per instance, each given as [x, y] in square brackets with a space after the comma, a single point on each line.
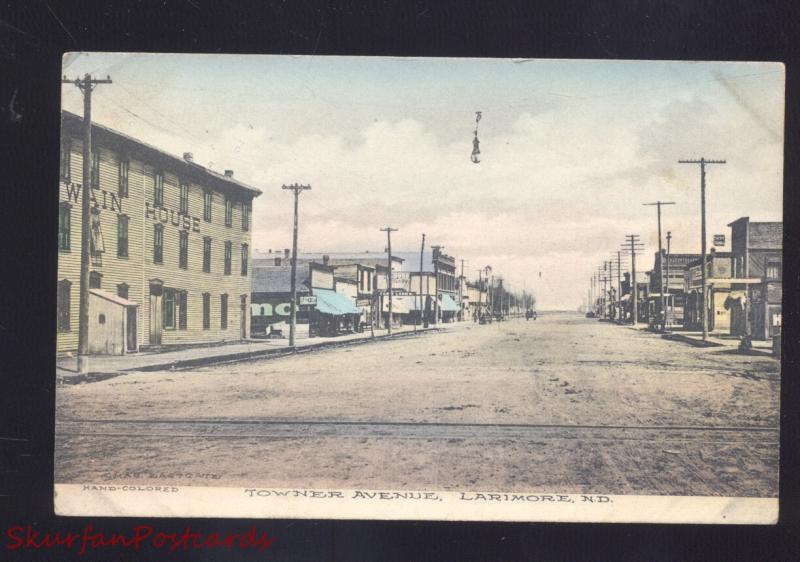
[139, 268]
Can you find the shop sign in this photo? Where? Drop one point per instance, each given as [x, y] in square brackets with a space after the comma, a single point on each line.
[170, 216]
[99, 198]
[363, 302]
[719, 239]
[269, 309]
[311, 300]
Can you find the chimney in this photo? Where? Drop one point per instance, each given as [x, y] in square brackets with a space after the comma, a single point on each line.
[228, 173]
[287, 253]
[188, 156]
[325, 259]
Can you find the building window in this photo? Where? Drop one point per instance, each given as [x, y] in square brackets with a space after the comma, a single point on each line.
[158, 243]
[182, 298]
[124, 165]
[227, 268]
[64, 289]
[245, 255]
[66, 159]
[122, 290]
[183, 255]
[774, 272]
[122, 236]
[64, 225]
[206, 311]
[223, 311]
[245, 216]
[184, 208]
[207, 254]
[169, 309]
[158, 190]
[207, 206]
[95, 280]
[228, 211]
[94, 176]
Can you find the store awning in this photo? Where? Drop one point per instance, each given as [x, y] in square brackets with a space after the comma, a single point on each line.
[401, 304]
[448, 303]
[331, 302]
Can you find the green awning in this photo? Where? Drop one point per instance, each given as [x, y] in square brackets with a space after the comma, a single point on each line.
[331, 302]
[448, 303]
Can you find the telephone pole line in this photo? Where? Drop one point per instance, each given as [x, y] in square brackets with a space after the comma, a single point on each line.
[633, 245]
[461, 293]
[658, 205]
[296, 188]
[703, 163]
[388, 230]
[85, 85]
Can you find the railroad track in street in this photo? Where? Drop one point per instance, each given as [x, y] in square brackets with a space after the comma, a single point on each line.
[294, 429]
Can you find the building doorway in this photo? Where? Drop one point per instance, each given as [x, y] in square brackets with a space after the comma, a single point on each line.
[156, 296]
[131, 328]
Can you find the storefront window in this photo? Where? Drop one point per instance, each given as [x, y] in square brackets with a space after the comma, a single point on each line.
[169, 309]
[182, 307]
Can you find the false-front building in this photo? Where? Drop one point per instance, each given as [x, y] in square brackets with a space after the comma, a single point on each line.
[169, 246]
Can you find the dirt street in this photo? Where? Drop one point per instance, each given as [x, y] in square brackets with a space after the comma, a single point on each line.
[561, 404]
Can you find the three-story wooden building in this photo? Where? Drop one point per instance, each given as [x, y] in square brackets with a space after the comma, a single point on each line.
[170, 246]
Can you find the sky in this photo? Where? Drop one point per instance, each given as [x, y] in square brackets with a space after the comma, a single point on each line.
[570, 150]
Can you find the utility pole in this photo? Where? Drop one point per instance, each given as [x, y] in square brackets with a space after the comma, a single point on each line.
[421, 302]
[632, 245]
[435, 256]
[480, 292]
[669, 302]
[388, 230]
[85, 86]
[296, 188]
[619, 286]
[461, 293]
[703, 163]
[658, 205]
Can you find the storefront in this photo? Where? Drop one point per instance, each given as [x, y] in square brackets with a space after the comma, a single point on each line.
[448, 306]
[334, 314]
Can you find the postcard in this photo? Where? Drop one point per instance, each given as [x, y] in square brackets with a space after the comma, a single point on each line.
[419, 288]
